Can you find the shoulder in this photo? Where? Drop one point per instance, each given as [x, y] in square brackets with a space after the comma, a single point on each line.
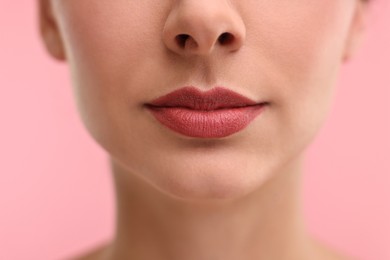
[97, 253]
[325, 252]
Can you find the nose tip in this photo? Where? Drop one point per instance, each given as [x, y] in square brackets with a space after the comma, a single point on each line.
[198, 30]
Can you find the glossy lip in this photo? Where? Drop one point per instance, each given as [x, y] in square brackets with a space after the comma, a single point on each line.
[216, 113]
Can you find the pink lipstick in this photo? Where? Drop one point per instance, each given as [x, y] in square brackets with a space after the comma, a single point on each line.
[216, 113]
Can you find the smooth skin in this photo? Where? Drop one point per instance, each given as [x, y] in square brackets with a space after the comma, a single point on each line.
[181, 198]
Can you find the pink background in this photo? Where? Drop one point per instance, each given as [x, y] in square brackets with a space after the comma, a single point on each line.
[56, 194]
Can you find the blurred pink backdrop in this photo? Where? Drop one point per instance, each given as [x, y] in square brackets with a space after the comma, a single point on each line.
[56, 194]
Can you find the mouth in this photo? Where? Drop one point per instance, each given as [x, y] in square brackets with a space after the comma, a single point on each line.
[216, 113]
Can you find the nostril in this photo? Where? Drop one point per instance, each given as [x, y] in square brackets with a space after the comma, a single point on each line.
[186, 40]
[181, 39]
[225, 38]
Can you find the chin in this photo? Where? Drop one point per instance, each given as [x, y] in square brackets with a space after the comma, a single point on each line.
[216, 181]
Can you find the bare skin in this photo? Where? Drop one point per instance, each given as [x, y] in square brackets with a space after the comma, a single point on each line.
[283, 214]
[182, 198]
[321, 252]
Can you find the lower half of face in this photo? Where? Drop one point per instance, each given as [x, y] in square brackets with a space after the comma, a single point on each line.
[289, 56]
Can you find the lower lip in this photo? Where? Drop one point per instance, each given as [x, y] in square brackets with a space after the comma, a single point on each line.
[206, 124]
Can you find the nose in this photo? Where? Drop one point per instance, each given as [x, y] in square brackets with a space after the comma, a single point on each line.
[198, 27]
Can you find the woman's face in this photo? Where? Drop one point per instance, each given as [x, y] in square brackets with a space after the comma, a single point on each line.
[123, 54]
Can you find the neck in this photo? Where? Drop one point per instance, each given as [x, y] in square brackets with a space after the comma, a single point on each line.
[265, 224]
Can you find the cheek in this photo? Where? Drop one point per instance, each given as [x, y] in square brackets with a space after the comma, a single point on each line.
[298, 46]
[108, 37]
[108, 46]
[299, 38]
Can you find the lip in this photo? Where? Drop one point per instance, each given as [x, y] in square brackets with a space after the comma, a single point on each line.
[216, 113]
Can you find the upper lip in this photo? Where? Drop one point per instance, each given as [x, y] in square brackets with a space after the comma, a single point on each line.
[192, 98]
